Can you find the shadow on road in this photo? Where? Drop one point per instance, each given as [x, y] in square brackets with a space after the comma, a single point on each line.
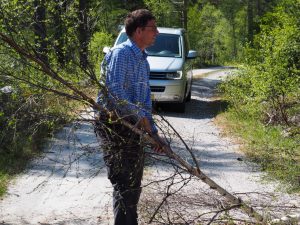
[195, 109]
[202, 104]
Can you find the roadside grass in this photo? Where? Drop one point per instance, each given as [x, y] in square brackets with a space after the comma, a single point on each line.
[25, 140]
[3, 182]
[11, 164]
[276, 153]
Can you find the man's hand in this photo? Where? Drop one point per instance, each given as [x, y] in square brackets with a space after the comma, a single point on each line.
[160, 143]
[145, 125]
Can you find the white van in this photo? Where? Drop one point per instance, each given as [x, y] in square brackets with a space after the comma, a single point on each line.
[170, 67]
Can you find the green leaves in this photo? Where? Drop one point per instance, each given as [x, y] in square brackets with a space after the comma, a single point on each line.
[271, 75]
[99, 40]
[166, 12]
[216, 31]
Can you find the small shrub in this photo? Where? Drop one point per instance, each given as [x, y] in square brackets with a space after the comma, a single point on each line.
[99, 40]
[268, 85]
[26, 120]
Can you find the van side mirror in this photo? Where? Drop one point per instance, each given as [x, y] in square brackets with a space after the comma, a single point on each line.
[192, 54]
[106, 49]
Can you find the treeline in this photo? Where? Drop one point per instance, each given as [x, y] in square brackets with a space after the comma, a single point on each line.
[68, 35]
[62, 31]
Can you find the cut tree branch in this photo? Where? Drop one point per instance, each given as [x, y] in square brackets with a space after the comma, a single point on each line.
[195, 171]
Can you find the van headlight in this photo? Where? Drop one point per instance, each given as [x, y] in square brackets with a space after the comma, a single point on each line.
[174, 75]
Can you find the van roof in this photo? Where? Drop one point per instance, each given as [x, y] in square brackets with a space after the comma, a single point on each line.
[167, 30]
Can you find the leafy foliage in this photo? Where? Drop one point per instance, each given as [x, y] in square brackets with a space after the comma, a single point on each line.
[264, 94]
[165, 12]
[99, 40]
[25, 120]
[268, 84]
[209, 32]
[32, 111]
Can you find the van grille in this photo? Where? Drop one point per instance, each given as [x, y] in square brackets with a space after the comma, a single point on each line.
[157, 88]
[158, 76]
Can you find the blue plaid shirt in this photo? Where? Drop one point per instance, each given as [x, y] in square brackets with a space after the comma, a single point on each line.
[127, 70]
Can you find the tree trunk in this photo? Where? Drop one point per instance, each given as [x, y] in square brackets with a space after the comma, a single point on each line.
[83, 33]
[234, 44]
[250, 20]
[259, 7]
[59, 31]
[185, 9]
[40, 30]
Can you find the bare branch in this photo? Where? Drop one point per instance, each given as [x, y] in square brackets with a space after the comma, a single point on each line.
[195, 171]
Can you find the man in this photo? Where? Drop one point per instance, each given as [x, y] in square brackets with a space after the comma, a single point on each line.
[127, 96]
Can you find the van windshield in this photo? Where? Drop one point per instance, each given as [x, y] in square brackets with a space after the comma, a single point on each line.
[166, 45]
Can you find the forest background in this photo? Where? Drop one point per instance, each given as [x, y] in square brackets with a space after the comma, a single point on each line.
[259, 37]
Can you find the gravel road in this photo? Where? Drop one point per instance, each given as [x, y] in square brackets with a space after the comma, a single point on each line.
[68, 184]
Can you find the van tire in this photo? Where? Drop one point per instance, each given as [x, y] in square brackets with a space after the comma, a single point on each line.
[189, 96]
[180, 107]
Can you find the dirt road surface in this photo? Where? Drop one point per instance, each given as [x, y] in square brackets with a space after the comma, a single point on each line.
[68, 184]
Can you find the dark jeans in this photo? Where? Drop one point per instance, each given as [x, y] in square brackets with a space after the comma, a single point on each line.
[124, 158]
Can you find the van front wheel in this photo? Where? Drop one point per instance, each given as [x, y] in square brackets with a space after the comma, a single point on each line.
[180, 107]
[189, 96]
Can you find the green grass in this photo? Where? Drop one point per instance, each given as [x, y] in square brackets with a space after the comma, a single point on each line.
[3, 182]
[14, 162]
[277, 154]
[19, 144]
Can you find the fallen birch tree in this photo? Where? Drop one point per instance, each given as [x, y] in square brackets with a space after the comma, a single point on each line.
[76, 94]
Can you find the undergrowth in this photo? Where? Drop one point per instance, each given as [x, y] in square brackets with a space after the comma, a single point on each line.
[26, 121]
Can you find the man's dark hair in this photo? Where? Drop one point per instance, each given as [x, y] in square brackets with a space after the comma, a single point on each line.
[137, 18]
